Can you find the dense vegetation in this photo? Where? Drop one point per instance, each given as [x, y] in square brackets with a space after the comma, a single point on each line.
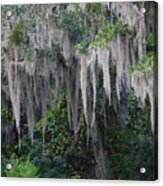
[56, 151]
[59, 158]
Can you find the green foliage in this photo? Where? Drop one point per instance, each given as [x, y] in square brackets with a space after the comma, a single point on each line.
[73, 22]
[57, 158]
[36, 10]
[95, 9]
[125, 143]
[82, 156]
[29, 54]
[21, 167]
[2, 72]
[53, 167]
[150, 41]
[64, 154]
[53, 52]
[18, 36]
[109, 32]
[17, 33]
[145, 65]
[50, 165]
[6, 115]
[56, 131]
[96, 13]
[51, 162]
[56, 134]
[106, 32]
[82, 46]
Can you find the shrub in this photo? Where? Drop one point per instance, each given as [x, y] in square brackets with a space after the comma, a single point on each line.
[21, 167]
[125, 143]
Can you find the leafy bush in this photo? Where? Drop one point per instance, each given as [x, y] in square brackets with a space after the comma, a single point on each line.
[59, 159]
[125, 143]
[54, 168]
[21, 167]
